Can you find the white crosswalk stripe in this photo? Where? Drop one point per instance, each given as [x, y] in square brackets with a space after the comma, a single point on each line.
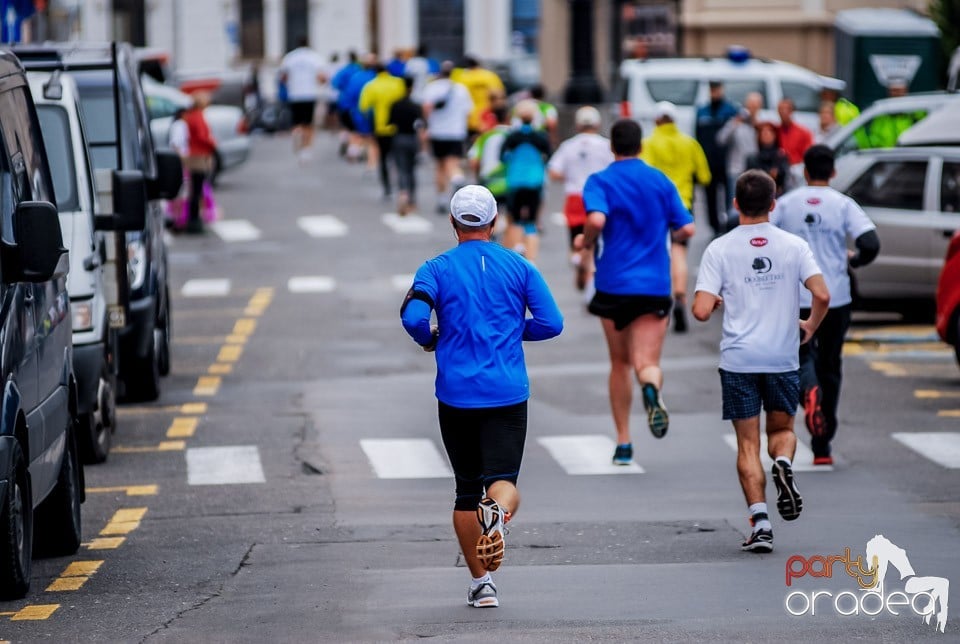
[586, 454]
[322, 226]
[943, 448]
[405, 458]
[408, 225]
[235, 230]
[311, 284]
[206, 288]
[224, 465]
[802, 460]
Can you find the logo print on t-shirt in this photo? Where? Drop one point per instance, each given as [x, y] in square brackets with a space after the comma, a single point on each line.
[762, 265]
[812, 218]
[814, 201]
[758, 241]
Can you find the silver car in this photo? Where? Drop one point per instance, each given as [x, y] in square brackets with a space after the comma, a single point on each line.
[912, 194]
[227, 123]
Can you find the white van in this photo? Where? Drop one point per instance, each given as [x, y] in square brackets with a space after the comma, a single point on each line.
[685, 83]
[92, 282]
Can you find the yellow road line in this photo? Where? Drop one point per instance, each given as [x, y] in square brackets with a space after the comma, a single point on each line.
[889, 369]
[207, 386]
[237, 339]
[230, 353]
[124, 521]
[75, 576]
[35, 612]
[105, 543]
[199, 339]
[220, 369]
[244, 327]
[130, 490]
[936, 393]
[182, 427]
[196, 408]
[162, 446]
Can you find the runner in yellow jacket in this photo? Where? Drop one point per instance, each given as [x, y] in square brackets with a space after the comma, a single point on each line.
[681, 158]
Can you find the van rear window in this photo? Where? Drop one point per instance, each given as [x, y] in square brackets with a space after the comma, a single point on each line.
[677, 91]
[736, 90]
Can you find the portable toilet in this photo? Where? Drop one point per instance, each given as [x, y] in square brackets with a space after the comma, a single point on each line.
[876, 48]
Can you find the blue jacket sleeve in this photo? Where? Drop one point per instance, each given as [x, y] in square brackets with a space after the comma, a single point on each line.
[547, 321]
[418, 305]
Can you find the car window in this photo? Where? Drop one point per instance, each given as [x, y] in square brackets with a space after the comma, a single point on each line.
[950, 187]
[96, 102]
[891, 184]
[8, 199]
[736, 89]
[677, 91]
[805, 98]
[22, 134]
[55, 127]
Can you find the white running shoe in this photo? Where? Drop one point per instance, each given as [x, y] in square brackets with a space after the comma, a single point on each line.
[483, 596]
[490, 545]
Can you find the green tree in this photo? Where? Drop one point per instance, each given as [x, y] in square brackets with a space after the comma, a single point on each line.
[946, 13]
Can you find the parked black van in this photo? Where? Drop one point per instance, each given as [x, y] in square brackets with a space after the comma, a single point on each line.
[40, 475]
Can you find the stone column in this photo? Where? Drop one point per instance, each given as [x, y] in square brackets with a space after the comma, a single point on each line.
[487, 26]
[397, 26]
[582, 86]
[273, 29]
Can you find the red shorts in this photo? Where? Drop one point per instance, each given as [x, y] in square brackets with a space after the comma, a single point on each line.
[575, 211]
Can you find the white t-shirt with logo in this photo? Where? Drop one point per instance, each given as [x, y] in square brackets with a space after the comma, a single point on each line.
[758, 270]
[447, 123]
[828, 220]
[302, 66]
[578, 157]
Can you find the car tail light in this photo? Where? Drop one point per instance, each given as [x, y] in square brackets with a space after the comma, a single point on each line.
[625, 109]
[242, 127]
[954, 246]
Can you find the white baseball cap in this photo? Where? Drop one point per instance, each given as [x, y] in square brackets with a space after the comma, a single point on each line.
[587, 116]
[473, 206]
[665, 109]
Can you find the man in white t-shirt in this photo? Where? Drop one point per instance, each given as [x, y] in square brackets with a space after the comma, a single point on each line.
[576, 159]
[754, 272]
[446, 106]
[302, 70]
[828, 220]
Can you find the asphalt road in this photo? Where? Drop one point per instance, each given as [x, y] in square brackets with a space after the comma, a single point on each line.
[290, 486]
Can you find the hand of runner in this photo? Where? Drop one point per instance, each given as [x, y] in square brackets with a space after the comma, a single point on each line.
[806, 331]
[435, 331]
[578, 242]
[717, 304]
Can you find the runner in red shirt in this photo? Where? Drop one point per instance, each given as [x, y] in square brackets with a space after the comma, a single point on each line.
[794, 138]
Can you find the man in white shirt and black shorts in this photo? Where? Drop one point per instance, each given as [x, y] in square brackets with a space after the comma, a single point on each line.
[302, 70]
[446, 107]
[827, 220]
[754, 272]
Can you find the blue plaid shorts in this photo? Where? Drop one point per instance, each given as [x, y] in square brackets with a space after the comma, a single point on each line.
[744, 392]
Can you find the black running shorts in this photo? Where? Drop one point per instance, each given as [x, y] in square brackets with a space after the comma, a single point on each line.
[301, 112]
[443, 148]
[484, 445]
[523, 204]
[624, 309]
[743, 393]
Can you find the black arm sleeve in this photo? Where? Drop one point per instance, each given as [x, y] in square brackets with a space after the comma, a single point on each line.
[868, 246]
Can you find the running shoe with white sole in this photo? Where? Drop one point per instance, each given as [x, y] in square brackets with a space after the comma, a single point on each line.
[490, 544]
[657, 417]
[483, 596]
[758, 541]
[789, 502]
[623, 454]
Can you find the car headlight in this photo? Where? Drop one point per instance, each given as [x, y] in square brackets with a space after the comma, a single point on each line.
[82, 315]
[136, 264]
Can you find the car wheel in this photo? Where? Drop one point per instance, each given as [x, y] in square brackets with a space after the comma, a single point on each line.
[165, 324]
[16, 530]
[97, 427]
[142, 379]
[58, 530]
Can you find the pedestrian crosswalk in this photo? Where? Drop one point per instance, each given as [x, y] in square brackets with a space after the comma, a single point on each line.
[583, 455]
[942, 448]
[298, 284]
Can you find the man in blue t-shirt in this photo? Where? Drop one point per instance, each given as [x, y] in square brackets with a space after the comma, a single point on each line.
[524, 153]
[631, 208]
[481, 293]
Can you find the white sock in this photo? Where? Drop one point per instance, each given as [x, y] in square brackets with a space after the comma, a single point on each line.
[785, 459]
[762, 524]
[477, 581]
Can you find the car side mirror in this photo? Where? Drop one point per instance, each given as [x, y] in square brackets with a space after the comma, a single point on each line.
[129, 194]
[35, 257]
[169, 174]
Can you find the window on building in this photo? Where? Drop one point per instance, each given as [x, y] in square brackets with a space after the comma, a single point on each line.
[129, 21]
[441, 28]
[647, 28]
[526, 22]
[251, 28]
[298, 21]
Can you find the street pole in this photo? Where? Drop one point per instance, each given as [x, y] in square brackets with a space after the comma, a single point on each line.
[582, 86]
